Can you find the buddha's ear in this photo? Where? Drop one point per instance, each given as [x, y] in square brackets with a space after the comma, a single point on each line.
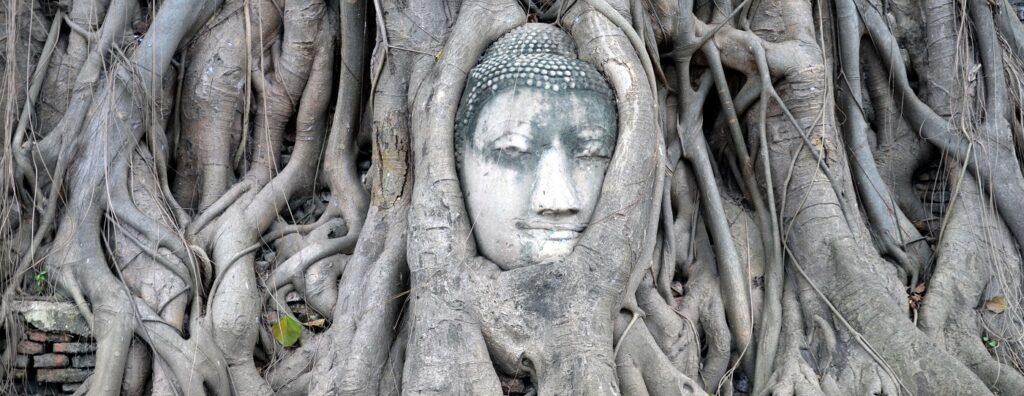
[625, 221]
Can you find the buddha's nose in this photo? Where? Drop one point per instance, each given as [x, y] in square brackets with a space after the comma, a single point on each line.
[554, 192]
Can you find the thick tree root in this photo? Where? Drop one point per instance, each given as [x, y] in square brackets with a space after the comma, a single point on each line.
[767, 250]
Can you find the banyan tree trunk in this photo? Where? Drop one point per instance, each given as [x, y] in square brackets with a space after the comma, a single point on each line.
[263, 196]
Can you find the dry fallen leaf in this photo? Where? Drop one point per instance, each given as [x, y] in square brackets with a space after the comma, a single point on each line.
[996, 304]
[315, 323]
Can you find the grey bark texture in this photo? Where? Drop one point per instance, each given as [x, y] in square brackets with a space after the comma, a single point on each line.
[805, 197]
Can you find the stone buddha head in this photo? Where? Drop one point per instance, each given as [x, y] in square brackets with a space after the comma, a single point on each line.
[534, 134]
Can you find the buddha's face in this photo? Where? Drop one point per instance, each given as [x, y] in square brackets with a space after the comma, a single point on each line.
[532, 169]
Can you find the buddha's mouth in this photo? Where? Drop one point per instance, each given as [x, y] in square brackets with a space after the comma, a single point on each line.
[552, 231]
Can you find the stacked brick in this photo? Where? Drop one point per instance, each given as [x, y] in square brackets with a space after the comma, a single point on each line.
[55, 356]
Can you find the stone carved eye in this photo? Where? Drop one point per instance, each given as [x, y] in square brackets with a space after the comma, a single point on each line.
[512, 151]
[512, 146]
[593, 150]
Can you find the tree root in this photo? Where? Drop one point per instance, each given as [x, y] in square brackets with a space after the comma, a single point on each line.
[643, 368]
[667, 288]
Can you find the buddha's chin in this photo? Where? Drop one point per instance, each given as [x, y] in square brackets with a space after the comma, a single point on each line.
[532, 250]
[549, 249]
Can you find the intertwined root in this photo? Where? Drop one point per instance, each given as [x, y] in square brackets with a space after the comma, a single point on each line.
[759, 227]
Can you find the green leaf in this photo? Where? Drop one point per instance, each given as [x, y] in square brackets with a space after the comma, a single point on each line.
[286, 331]
[40, 278]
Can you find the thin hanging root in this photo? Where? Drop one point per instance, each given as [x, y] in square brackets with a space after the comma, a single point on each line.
[218, 207]
[828, 338]
[877, 199]
[632, 321]
[38, 76]
[123, 210]
[811, 148]
[856, 335]
[279, 232]
[72, 287]
[247, 105]
[1007, 182]
[178, 270]
[711, 34]
[228, 265]
[652, 372]
[89, 36]
[668, 259]
[299, 262]
[83, 389]
[642, 21]
[27, 260]
[735, 295]
[194, 362]
[83, 91]
[277, 301]
[771, 316]
[739, 142]
[765, 211]
[634, 38]
[735, 292]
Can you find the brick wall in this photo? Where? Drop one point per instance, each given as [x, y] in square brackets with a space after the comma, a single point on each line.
[56, 352]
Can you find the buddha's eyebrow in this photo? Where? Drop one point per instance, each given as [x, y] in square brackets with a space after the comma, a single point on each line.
[510, 128]
[593, 132]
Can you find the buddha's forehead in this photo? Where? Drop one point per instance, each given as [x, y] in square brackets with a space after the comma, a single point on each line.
[545, 115]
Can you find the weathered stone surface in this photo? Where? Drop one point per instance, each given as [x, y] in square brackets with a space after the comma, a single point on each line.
[21, 361]
[535, 132]
[74, 347]
[83, 361]
[26, 347]
[52, 316]
[62, 375]
[42, 336]
[49, 360]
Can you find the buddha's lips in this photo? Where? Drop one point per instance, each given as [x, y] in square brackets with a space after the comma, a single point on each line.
[539, 225]
[552, 231]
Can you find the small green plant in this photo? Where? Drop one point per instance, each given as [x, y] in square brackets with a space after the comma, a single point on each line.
[989, 343]
[40, 279]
